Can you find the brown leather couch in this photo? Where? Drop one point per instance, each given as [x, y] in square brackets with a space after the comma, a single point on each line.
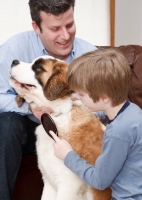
[29, 184]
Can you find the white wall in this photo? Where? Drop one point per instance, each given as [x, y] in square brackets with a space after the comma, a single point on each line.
[93, 21]
[14, 18]
[128, 22]
[91, 16]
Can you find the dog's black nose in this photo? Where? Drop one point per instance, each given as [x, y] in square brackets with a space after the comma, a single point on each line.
[15, 62]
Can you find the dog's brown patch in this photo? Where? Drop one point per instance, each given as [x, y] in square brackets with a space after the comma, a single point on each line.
[88, 144]
[52, 77]
[86, 138]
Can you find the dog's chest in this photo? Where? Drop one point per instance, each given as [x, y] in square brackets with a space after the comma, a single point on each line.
[44, 147]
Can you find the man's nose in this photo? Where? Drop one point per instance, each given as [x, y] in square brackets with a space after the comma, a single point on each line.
[65, 34]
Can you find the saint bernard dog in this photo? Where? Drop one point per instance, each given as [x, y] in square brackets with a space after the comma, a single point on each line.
[43, 83]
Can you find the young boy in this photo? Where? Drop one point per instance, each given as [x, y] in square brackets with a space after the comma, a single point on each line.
[101, 81]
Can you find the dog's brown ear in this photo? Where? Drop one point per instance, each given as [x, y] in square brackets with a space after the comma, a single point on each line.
[56, 86]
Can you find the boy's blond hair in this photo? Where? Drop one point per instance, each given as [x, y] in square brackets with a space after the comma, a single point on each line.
[100, 73]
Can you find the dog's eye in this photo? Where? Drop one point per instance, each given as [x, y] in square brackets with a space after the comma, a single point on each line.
[38, 68]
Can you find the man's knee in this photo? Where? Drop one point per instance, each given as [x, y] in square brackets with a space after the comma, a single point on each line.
[12, 126]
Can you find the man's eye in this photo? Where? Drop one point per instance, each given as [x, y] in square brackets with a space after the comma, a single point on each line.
[54, 29]
[69, 25]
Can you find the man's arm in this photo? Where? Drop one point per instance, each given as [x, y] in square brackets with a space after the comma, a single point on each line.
[8, 94]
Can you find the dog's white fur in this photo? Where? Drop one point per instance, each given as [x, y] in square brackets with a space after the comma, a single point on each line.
[59, 182]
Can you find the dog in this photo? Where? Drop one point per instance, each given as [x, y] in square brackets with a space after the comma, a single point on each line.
[43, 83]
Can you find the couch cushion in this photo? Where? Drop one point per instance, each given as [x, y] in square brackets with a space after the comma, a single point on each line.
[133, 54]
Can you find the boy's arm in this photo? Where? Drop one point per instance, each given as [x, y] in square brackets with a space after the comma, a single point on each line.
[106, 168]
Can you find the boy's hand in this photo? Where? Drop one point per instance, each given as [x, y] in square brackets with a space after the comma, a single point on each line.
[61, 147]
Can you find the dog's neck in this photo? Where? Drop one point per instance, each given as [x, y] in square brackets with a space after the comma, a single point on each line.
[58, 106]
[64, 106]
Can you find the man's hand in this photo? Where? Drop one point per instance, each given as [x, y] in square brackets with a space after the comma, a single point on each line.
[38, 112]
[61, 147]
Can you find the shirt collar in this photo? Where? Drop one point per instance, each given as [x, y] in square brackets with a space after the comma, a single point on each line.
[71, 55]
[126, 104]
[73, 49]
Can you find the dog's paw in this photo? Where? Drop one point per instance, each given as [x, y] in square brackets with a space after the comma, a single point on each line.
[19, 100]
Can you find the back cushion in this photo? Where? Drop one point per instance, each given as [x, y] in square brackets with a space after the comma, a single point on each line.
[133, 54]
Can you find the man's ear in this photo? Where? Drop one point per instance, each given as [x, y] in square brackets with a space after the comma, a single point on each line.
[36, 28]
[56, 86]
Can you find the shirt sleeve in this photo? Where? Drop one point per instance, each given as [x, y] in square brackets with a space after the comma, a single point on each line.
[107, 166]
[101, 115]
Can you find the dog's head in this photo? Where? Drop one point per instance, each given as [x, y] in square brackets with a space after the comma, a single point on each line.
[45, 75]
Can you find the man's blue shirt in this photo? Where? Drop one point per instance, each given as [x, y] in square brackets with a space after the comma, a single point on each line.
[26, 47]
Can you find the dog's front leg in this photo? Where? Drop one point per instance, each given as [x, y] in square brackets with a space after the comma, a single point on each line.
[71, 192]
[49, 192]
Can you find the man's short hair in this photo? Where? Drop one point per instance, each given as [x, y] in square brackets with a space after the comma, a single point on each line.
[100, 73]
[55, 7]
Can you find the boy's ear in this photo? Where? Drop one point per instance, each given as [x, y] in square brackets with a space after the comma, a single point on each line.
[105, 99]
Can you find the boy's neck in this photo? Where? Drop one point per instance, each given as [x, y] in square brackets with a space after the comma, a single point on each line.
[111, 112]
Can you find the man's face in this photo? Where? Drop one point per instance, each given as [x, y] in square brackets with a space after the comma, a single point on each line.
[57, 33]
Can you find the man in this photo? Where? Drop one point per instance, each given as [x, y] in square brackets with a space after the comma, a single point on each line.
[54, 34]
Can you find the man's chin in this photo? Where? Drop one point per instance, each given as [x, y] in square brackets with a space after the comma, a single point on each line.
[63, 54]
